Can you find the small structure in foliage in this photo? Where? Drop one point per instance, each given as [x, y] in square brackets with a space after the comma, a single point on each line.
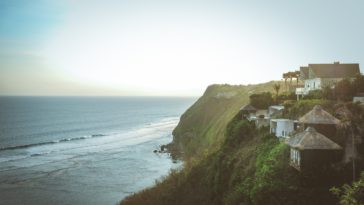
[281, 127]
[359, 98]
[322, 121]
[262, 122]
[311, 150]
[275, 110]
[248, 111]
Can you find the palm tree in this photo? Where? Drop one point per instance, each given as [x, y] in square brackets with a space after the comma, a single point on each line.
[298, 75]
[290, 75]
[277, 87]
[349, 125]
[285, 77]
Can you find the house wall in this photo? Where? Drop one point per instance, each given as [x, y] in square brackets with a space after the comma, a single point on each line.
[274, 112]
[282, 128]
[273, 127]
[312, 84]
[316, 159]
[329, 81]
[358, 99]
[319, 83]
[261, 122]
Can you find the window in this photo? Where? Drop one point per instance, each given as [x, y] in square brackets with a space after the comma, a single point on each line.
[295, 156]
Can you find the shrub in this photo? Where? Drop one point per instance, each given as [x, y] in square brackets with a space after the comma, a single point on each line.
[344, 90]
[238, 131]
[294, 110]
[351, 195]
[314, 94]
[262, 100]
[358, 84]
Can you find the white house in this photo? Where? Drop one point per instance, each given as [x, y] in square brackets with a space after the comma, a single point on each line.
[317, 76]
[359, 98]
[275, 110]
[281, 127]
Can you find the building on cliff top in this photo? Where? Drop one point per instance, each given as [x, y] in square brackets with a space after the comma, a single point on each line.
[317, 76]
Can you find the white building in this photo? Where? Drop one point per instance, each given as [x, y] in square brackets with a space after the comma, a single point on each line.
[275, 110]
[318, 76]
[281, 127]
[359, 98]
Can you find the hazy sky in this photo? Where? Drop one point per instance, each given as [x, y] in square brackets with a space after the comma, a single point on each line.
[156, 47]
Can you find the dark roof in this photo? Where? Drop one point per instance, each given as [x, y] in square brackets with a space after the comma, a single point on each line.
[359, 95]
[318, 116]
[311, 139]
[248, 108]
[336, 70]
[304, 72]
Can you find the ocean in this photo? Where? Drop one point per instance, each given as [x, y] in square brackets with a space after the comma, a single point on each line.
[83, 150]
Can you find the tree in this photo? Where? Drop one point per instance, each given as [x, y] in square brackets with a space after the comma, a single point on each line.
[277, 87]
[358, 83]
[349, 124]
[344, 90]
[285, 77]
[351, 195]
[327, 93]
[298, 75]
[261, 100]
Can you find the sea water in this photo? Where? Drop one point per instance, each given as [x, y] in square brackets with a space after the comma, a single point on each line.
[83, 150]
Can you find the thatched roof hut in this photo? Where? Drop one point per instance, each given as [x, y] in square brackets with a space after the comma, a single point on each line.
[311, 150]
[310, 139]
[319, 116]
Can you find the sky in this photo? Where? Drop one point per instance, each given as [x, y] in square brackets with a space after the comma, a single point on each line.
[168, 47]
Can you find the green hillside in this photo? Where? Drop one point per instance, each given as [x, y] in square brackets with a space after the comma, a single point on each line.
[201, 128]
[229, 161]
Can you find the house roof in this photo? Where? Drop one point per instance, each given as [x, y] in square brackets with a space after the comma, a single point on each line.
[304, 72]
[248, 107]
[336, 70]
[318, 116]
[281, 120]
[311, 139]
[277, 107]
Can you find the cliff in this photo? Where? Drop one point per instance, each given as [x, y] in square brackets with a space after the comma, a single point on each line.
[202, 127]
[230, 161]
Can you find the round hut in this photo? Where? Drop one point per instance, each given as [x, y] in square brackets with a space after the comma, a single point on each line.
[322, 121]
[311, 150]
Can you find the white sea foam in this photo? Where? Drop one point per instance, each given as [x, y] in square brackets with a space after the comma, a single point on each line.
[78, 146]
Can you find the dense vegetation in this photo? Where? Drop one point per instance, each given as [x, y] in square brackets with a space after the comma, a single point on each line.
[351, 195]
[229, 161]
[261, 100]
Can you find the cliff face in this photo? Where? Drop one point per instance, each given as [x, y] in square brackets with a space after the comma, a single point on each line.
[229, 161]
[201, 128]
